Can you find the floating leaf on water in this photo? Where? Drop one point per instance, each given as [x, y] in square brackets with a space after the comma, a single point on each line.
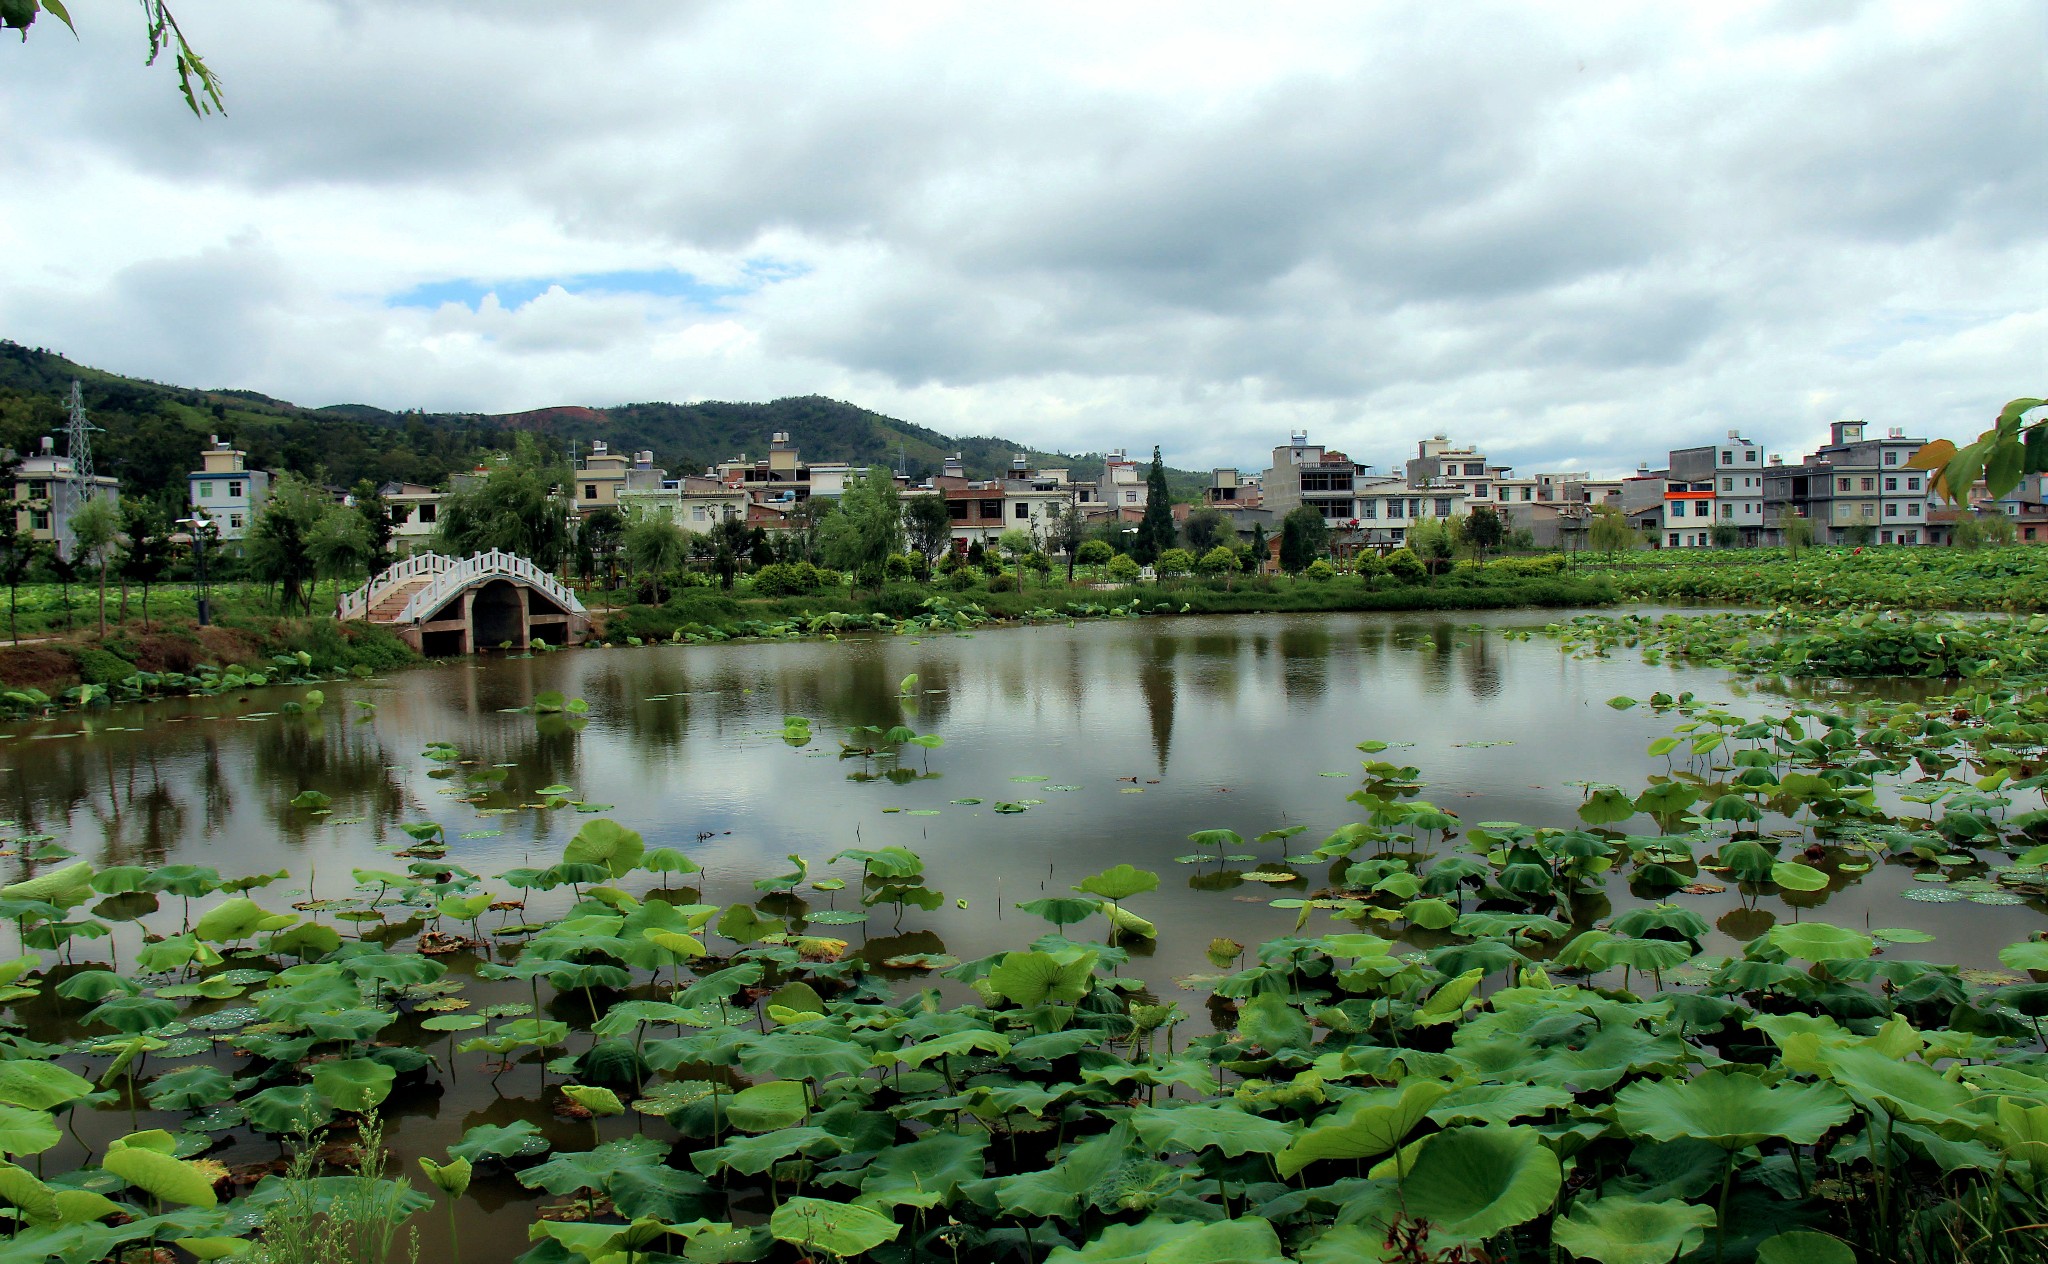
[1897, 935]
[966, 801]
[480, 833]
[1066, 788]
[1030, 778]
[1931, 895]
[1131, 790]
[1997, 898]
[921, 812]
[223, 1019]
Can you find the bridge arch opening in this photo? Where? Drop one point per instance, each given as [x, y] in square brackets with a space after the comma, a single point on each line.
[498, 616]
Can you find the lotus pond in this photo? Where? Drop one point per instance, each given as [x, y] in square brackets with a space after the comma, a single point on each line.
[1283, 937]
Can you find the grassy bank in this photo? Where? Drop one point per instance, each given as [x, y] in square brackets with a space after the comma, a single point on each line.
[180, 648]
[716, 615]
[2012, 578]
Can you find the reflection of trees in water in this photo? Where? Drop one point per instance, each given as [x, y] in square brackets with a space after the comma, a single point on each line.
[1156, 684]
[145, 822]
[1482, 666]
[1438, 661]
[344, 761]
[1213, 673]
[1305, 660]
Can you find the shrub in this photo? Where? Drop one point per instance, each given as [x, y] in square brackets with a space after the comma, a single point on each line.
[100, 667]
[1320, 570]
[785, 579]
[1093, 553]
[900, 601]
[1174, 563]
[900, 566]
[1123, 568]
[963, 578]
[1371, 566]
[1406, 567]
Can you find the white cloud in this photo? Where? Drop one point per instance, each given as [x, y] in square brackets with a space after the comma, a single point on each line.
[1577, 235]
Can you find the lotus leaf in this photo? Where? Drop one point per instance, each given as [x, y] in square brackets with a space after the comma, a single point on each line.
[1818, 941]
[1730, 1110]
[1035, 978]
[1475, 1182]
[353, 1084]
[160, 1175]
[25, 1131]
[601, 1102]
[1804, 1246]
[1119, 882]
[840, 1229]
[1374, 1125]
[1622, 1230]
[1210, 1124]
[606, 843]
[923, 1173]
[516, 1140]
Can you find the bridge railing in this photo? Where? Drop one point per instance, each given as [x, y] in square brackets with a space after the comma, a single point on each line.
[460, 574]
[358, 604]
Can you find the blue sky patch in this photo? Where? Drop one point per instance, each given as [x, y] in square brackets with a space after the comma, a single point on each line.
[515, 293]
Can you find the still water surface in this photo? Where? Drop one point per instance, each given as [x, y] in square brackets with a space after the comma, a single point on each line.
[1133, 735]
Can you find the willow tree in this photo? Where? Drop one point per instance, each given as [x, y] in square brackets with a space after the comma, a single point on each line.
[867, 528]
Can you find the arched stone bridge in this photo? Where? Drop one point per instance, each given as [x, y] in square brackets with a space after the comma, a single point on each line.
[449, 605]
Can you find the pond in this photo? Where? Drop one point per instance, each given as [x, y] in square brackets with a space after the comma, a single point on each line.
[1066, 750]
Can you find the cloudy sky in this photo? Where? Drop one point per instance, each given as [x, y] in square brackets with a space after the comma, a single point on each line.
[1575, 233]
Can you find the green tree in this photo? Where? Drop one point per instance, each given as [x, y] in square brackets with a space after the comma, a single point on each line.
[95, 528]
[1610, 532]
[1174, 563]
[1220, 562]
[376, 516]
[1093, 553]
[1303, 537]
[1017, 544]
[929, 525]
[1796, 530]
[655, 546]
[1069, 533]
[1255, 561]
[1205, 529]
[147, 553]
[199, 85]
[597, 545]
[280, 541]
[1484, 530]
[1433, 540]
[867, 528]
[20, 552]
[1123, 568]
[517, 507]
[343, 546]
[1156, 532]
[1724, 535]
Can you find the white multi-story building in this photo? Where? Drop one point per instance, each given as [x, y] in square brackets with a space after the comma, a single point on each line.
[48, 491]
[1715, 485]
[226, 490]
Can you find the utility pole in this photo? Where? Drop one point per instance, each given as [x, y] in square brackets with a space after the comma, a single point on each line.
[78, 440]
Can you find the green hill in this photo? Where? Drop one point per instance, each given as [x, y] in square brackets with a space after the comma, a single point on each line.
[153, 433]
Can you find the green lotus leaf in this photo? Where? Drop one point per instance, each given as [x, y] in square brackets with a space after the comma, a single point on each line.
[923, 1173]
[840, 1229]
[189, 1088]
[353, 1084]
[62, 887]
[1818, 941]
[1062, 910]
[1269, 1022]
[1605, 806]
[516, 1140]
[1220, 1125]
[605, 842]
[287, 1109]
[161, 1176]
[753, 1155]
[744, 926]
[216, 1247]
[39, 1085]
[589, 1169]
[1793, 876]
[237, 919]
[36, 1200]
[25, 1131]
[767, 1107]
[1804, 1246]
[1497, 1103]
[97, 985]
[1475, 1182]
[1374, 1125]
[601, 1102]
[2031, 954]
[801, 1056]
[1646, 954]
[668, 860]
[132, 1014]
[1622, 1230]
[1035, 978]
[451, 1178]
[1730, 1110]
[1119, 882]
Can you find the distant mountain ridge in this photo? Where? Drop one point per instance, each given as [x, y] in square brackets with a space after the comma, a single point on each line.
[153, 431]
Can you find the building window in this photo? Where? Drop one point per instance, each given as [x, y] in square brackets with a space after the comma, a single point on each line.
[1728, 513]
[1891, 510]
[1912, 484]
[1369, 509]
[1393, 508]
[1674, 539]
[234, 522]
[590, 491]
[1891, 458]
[1528, 493]
[1885, 538]
[427, 512]
[1869, 484]
[957, 510]
[992, 510]
[1913, 510]
[1479, 489]
[1474, 467]
[1891, 484]
[205, 491]
[1415, 506]
[1727, 458]
[234, 491]
[1727, 484]
[1023, 510]
[1443, 506]
[1699, 509]
[1749, 454]
[1130, 498]
[1842, 484]
[697, 513]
